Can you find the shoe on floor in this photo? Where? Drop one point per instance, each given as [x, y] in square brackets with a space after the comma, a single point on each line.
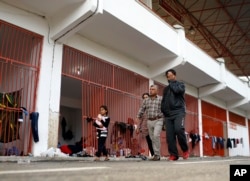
[172, 158]
[106, 159]
[156, 158]
[185, 155]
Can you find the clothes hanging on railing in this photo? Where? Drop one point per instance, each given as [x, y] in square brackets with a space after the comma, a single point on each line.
[234, 142]
[34, 125]
[220, 142]
[229, 143]
[217, 142]
[214, 142]
[241, 141]
[195, 138]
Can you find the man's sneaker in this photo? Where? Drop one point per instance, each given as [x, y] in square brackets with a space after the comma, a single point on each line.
[156, 158]
[185, 155]
[172, 158]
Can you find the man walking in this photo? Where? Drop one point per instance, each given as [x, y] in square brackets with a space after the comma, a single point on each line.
[174, 109]
[143, 128]
[152, 107]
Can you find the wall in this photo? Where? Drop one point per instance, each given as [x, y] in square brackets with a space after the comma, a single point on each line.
[214, 127]
[238, 135]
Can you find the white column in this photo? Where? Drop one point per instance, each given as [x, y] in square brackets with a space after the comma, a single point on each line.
[200, 126]
[48, 98]
[55, 94]
[222, 69]
[247, 141]
[228, 122]
[181, 41]
[148, 3]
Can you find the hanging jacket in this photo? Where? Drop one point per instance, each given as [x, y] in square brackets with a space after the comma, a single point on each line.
[229, 143]
[34, 125]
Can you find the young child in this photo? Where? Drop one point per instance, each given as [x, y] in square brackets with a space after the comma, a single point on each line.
[101, 124]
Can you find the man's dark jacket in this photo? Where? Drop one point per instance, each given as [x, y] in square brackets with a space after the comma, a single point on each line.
[173, 101]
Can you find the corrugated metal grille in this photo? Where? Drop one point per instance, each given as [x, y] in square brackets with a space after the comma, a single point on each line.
[105, 83]
[18, 45]
[237, 119]
[86, 67]
[123, 107]
[20, 52]
[92, 99]
[129, 82]
[213, 121]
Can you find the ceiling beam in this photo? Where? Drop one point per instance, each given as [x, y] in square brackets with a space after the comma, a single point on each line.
[237, 103]
[208, 36]
[210, 89]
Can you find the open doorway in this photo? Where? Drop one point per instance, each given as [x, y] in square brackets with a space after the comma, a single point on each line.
[70, 123]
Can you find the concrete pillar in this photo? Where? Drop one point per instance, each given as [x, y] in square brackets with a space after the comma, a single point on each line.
[223, 68]
[200, 127]
[181, 40]
[55, 94]
[48, 98]
[226, 134]
[148, 3]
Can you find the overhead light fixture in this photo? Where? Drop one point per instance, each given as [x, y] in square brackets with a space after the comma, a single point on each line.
[191, 30]
[78, 71]
[177, 26]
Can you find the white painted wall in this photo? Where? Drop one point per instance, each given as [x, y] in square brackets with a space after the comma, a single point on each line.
[237, 131]
[203, 61]
[233, 82]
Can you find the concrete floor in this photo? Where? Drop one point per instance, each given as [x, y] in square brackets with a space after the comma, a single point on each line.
[122, 169]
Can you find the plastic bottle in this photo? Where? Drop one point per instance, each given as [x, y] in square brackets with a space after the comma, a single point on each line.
[121, 152]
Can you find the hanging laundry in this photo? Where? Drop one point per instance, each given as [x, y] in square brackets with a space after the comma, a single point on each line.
[67, 135]
[234, 142]
[214, 141]
[23, 111]
[206, 135]
[195, 139]
[220, 141]
[34, 125]
[241, 141]
[229, 143]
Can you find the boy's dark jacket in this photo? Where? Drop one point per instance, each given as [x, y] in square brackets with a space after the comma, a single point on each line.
[173, 101]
